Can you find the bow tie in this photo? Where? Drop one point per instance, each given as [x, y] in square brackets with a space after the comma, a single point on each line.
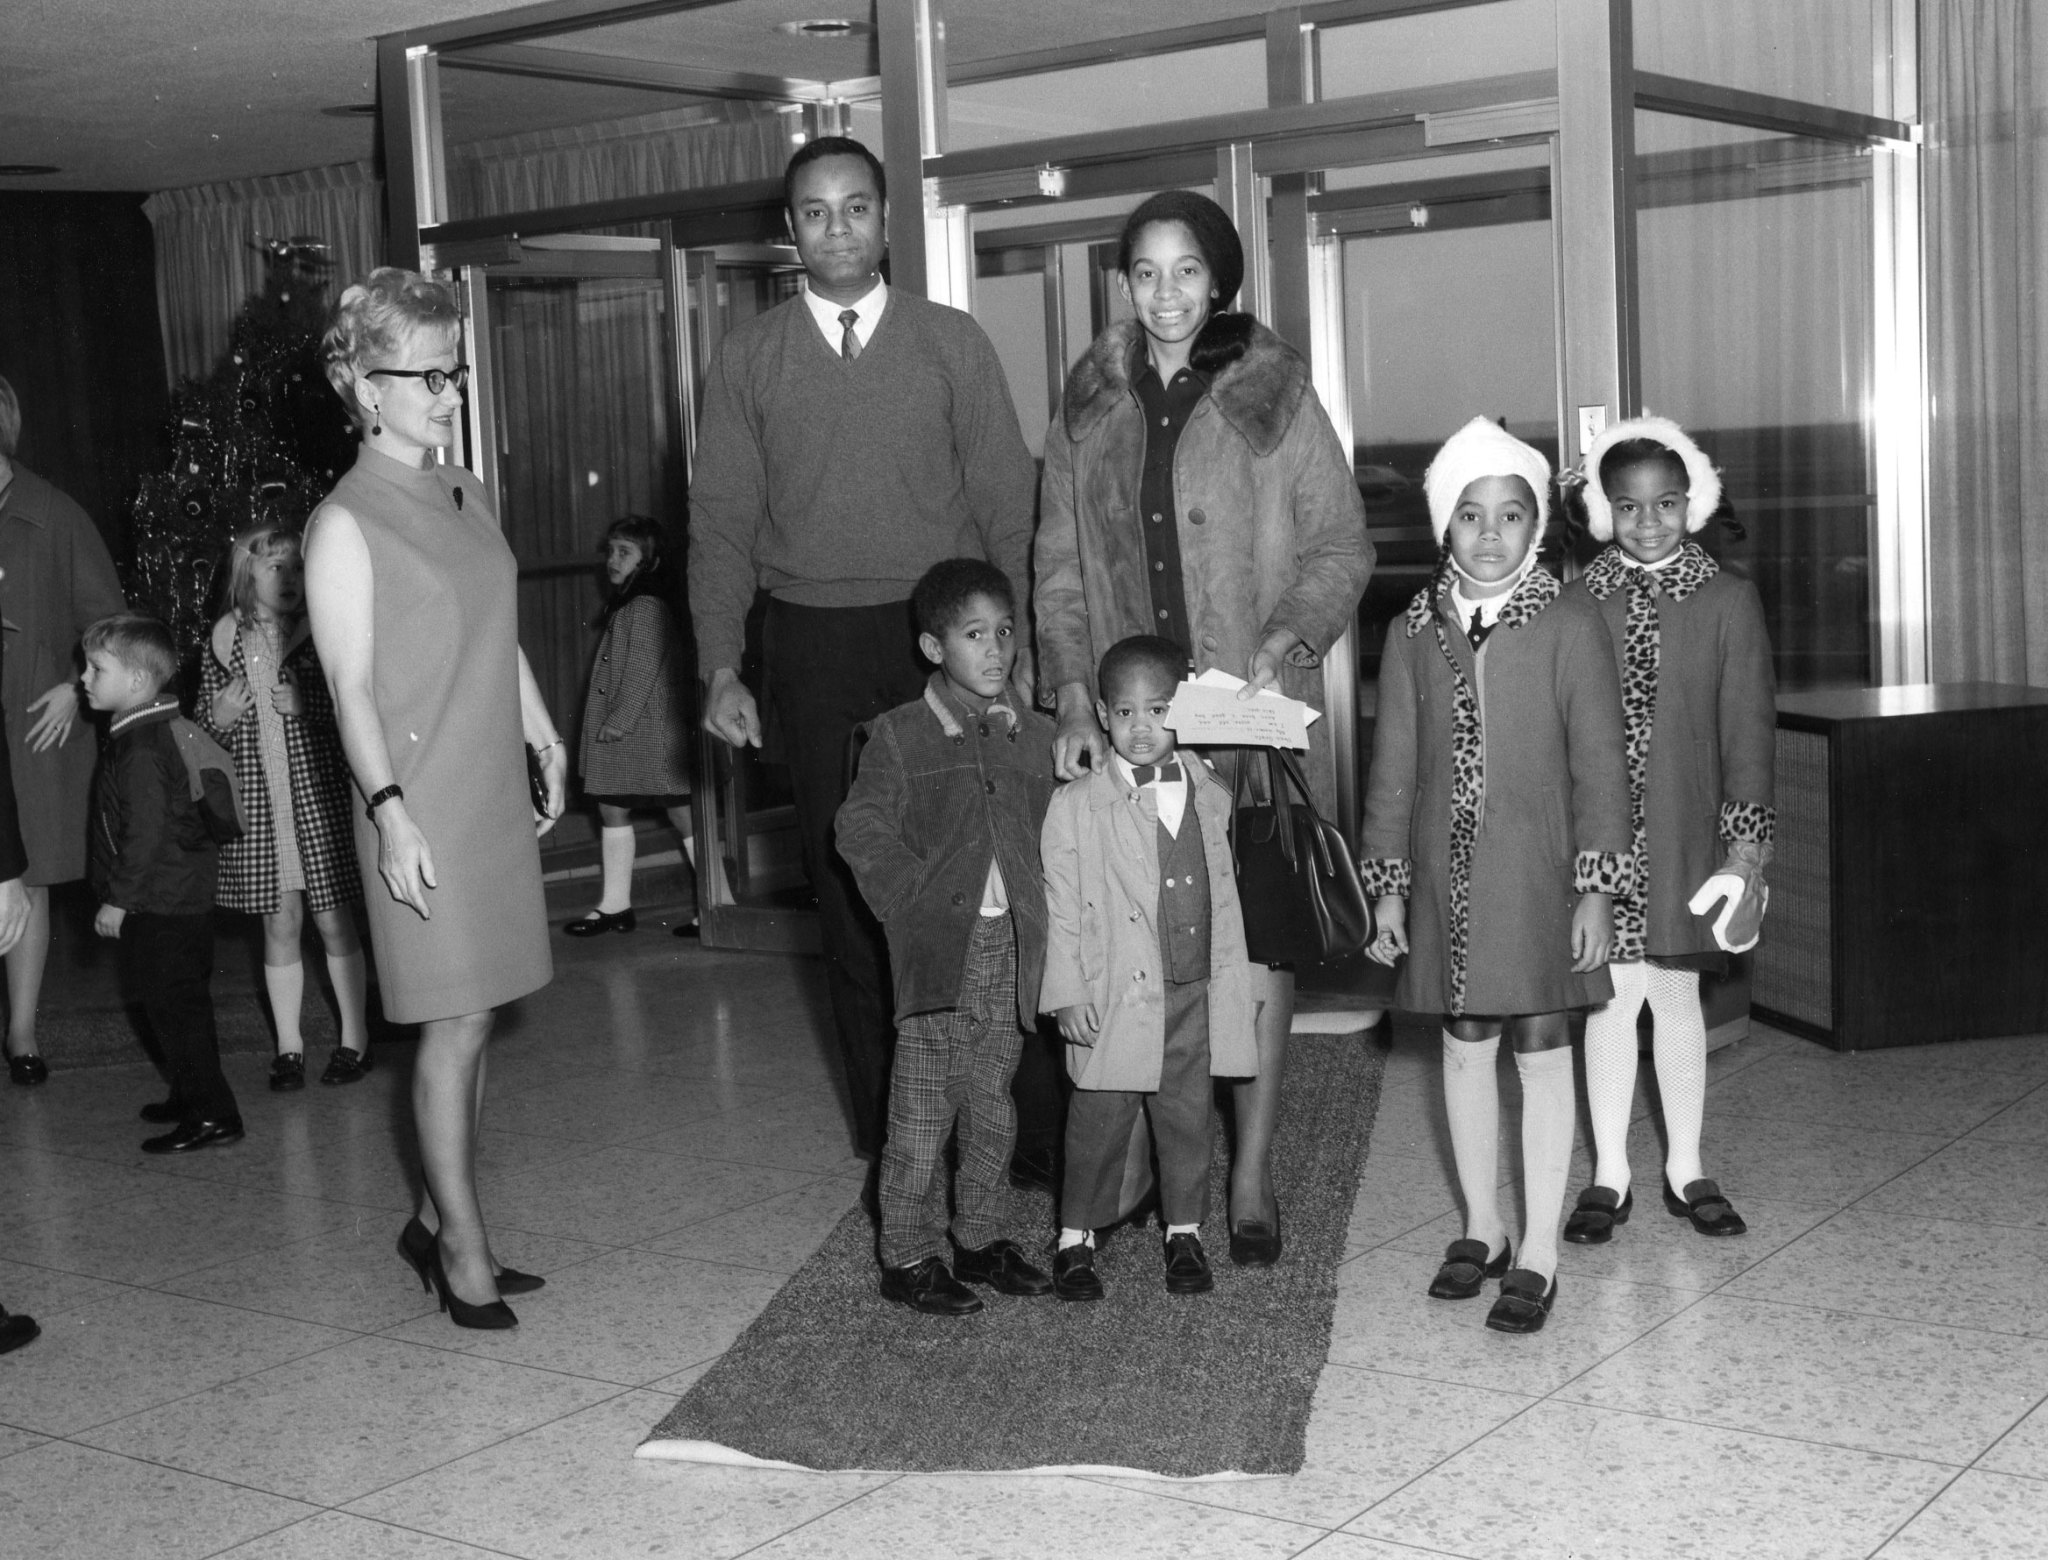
[1148, 774]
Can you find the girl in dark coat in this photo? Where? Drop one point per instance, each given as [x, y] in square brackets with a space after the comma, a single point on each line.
[635, 749]
[263, 697]
[1496, 834]
[1697, 692]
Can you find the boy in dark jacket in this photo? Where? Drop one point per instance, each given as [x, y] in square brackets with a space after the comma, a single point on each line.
[941, 829]
[162, 802]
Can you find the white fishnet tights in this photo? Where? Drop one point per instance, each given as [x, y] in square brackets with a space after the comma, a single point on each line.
[1679, 1041]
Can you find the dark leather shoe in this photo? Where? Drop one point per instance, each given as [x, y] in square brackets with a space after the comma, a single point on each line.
[162, 1113]
[1465, 1269]
[16, 1330]
[1524, 1303]
[1598, 1214]
[1073, 1274]
[1187, 1266]
[28, 1071]
[1035, 1169]
[692, 928]
[346, 1066]
[929, 1286]
[1002, 1266]
[288, 1073]
[598, 922]
[511, 1281]
[195, 1134]
[1710, 1212]
[1254, 1242]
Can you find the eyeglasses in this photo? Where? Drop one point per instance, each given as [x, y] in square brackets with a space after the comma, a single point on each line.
[438, 379]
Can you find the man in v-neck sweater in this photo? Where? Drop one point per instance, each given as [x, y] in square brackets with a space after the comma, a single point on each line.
[851, 438]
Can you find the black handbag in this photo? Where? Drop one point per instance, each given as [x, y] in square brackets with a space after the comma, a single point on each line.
[1303, 903]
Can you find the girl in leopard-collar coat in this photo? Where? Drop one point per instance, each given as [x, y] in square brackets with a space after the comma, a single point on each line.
[1699, 701]
[1496, 833]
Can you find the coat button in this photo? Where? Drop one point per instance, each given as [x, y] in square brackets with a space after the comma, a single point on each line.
[989, 786]
[1196, 517]
[984, 728]
[959, 899]
[1134, 915]
[1209, 642]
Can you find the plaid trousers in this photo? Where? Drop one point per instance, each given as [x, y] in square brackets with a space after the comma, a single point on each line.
[954, 1067]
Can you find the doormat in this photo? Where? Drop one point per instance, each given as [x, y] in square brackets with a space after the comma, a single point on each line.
[831, 1377]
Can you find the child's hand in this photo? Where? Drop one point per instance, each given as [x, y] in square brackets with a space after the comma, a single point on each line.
[108, 922]
[231, 703]
[1079, 1024]
[1390, 914]
[1592, 933]
[286, 699]
[610, 734]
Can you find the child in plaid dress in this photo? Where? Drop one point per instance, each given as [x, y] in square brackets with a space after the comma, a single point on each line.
[263, 697]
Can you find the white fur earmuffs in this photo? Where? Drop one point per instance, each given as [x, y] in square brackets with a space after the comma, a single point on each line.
[1702, 481]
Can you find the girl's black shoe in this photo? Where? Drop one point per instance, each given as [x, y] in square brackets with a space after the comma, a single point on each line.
[288, 1073]
[598, 922]
[1465, 1269]
[28, 1070]
[346, 1066]
[493, 1316]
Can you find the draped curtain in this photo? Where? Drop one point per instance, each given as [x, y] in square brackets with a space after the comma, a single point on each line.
[209, 256]
[1984, 72]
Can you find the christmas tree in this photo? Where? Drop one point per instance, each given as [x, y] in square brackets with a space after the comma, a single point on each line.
[258, 442]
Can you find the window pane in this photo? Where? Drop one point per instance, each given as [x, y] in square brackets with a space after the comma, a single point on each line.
[1754, 255]
[1819, 51]
[1433, 48]
[1184, 85]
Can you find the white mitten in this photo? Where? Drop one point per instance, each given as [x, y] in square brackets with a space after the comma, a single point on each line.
[1731, 889]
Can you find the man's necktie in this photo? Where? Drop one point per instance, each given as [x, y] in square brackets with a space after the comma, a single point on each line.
[1478, 631]
[1146, 774]
[849, 343]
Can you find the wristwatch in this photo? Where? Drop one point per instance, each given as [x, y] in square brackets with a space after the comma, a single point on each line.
[379, 799]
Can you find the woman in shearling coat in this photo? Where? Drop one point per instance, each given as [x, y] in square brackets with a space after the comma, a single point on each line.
[1194, 489]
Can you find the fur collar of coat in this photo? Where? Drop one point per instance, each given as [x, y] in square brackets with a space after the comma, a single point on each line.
[1256, 380]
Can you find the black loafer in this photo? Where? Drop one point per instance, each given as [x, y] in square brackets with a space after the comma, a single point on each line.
[1187, 1266]
[28, 1071]
[1703, 1204]
[1598, 1214]
[15, 1330]
[346, 1066]
[930, 1287]
[1466, 1269]
[195, 1134]
[598, 922]
[162, 1113]
[1524, 1303]
[288, 1073]
[1254, 1242]
[1073, 1274]
[1001, 1265]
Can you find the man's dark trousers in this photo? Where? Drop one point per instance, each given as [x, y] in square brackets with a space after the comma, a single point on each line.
[167, 965]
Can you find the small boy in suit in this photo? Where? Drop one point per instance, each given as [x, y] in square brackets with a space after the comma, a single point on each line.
[941, 830]
[1145, 966]
[163, 802]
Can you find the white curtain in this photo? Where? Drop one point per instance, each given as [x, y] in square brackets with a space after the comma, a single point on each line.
[1984, 72]
[209, 248]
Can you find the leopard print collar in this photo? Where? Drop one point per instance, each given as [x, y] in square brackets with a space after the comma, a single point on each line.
[1613, 569]
[1535, 593]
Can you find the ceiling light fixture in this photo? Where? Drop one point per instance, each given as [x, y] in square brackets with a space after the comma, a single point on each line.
[27, 170]
[826, 27]
[350, 111]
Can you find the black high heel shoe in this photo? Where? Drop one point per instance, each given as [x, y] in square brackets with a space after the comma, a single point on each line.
[416, 1245]
[495, 1316]
[597, 922]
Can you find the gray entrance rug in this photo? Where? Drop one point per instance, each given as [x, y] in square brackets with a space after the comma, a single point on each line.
[832, 1377]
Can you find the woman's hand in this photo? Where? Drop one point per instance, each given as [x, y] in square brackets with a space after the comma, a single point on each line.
[1266, 662]
[60, 713]
[108, 922]
[404, 861]
[554, 770]
[1079, 735]
[231, 703]
[1592, 933]
[1078, 1024]
[286, 699]
[1390, 914]
[610, 734]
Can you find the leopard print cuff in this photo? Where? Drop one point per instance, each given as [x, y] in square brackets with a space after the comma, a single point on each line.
[1605, 872]
[1380, 876]
[1749, 822]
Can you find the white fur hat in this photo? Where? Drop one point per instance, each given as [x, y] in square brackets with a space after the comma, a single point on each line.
[1482, 448]
[1702, 481]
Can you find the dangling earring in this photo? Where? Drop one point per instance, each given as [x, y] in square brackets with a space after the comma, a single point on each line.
[377, 420]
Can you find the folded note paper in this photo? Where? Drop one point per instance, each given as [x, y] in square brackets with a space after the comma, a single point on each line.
[1204, 713]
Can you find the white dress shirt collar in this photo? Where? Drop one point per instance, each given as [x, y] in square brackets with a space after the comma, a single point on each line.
[868, 306]
[1172, 794]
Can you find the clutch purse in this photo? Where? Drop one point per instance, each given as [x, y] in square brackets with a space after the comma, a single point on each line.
[536, 783]
[1303, 902]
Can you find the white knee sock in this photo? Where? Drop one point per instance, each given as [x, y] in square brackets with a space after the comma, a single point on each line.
[1611, 1073]
[1077, 1238]
[1680, 1046]
[349, 972]
[286, 984]
[1472, 1101]
[1549, 1113]
[616, 851]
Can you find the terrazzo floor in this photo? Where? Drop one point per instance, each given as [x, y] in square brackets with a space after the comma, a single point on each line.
[234, 1361]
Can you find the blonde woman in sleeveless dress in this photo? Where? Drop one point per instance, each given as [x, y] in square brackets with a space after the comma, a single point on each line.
[412, 593]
